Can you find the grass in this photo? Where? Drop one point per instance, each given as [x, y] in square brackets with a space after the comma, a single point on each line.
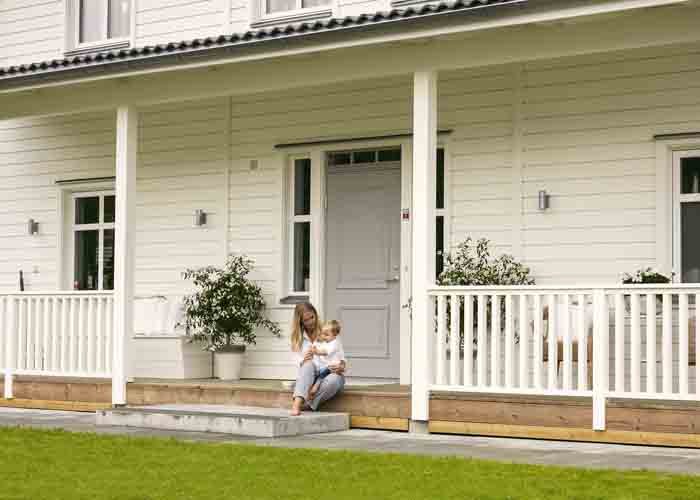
[56, 465]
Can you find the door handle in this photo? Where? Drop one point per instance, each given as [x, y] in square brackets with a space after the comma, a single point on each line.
[393, 279]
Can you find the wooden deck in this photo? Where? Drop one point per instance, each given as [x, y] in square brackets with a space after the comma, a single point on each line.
[389, 407]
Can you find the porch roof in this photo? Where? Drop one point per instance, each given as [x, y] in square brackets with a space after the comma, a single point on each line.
[176, 53]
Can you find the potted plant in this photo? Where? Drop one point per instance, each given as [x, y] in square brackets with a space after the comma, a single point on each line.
[224, 311]
[471, 264]
[646, 276]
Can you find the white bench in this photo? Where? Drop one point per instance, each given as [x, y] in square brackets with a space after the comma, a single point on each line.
[159, 348]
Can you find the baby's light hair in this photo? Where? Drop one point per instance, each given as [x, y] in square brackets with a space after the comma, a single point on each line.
[333, 326]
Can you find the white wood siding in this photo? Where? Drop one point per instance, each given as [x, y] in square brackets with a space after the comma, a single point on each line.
[588, 127]
[30, 31]
[163, 21]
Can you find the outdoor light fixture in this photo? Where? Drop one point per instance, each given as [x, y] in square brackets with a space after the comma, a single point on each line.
[32, 227]
[543, 200]
[200, 218]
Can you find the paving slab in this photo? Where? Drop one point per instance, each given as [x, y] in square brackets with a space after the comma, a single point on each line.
[225, 419]
[558, 453]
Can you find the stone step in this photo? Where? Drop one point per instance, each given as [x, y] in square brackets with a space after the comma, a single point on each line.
[239, 420]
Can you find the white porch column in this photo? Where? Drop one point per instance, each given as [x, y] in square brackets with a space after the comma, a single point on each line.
[423, 259]
[127, 142]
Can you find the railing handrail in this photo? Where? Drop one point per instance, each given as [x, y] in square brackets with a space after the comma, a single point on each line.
[662, 288]
[60, 293]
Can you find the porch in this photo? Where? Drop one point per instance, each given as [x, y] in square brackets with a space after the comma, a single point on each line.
[568, 359]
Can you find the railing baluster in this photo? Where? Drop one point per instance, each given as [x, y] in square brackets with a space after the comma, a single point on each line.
[55, 331]
[99, 336]
[71, 337]
[29, 345]
[651, 343]
[537, 332]
[683, 343]
[619, 342]
[21, 333]
[90, 333]
[38, 333]
[635, 346]
[523, 329]
[566, 340]
[582, 347]
[65, 311]
[481, 353]
[667, 346]
[4, 332]
[440, 352]
[552, 364]
[496, 341]
[509, 342]
[81, 335]
[47, 334]
[468, 340]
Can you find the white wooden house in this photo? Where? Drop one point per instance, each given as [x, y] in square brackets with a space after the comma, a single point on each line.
[342, 144]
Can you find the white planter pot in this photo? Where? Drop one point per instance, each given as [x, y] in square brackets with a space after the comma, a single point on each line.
[228, 365]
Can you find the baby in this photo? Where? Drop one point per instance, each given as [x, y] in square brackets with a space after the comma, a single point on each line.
[328, 350]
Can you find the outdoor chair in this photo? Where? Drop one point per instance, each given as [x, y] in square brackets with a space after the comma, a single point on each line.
[572, 312]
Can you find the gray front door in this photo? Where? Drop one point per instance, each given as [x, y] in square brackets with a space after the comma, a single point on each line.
[363, 260]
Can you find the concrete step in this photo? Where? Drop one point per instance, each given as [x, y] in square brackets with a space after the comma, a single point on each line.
[239, 420]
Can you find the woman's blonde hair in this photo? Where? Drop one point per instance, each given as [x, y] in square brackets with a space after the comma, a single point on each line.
[298, 325]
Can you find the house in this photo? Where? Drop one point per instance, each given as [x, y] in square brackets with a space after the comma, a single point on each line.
[343, 144]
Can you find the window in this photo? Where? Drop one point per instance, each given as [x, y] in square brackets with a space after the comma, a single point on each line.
[273, 12]
[687, 215]
[300, 226]
[93, 241]
[99, 23]
[440, 212]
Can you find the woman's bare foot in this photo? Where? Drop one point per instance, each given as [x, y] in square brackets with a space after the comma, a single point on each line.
[296, 407]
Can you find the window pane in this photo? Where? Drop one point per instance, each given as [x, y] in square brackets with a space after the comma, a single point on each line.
[690, 242]
[302, 256]
[690, 170]
[280, 5]
[108, 267]
[440, 180]
[314, 3]
[119, 18]
[302, 187]
[339, 159]
[86, 255]
[439, 245]
[91, 20]
[109, 209]
[87, 210]
[363, 157]
[390, 155]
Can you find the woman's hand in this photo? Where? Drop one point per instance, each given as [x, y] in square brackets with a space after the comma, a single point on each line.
[308, 356]
[337, 368]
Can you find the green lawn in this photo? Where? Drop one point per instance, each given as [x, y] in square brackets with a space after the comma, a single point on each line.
[57, 465]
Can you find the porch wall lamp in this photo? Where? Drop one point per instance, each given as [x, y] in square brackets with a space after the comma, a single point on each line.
[200, 218]
[543, 200]
[32, 227]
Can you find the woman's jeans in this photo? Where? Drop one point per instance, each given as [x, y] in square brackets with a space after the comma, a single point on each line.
[330, 386]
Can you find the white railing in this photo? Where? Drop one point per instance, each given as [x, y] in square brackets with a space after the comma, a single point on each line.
[604, 342]
[56, 333]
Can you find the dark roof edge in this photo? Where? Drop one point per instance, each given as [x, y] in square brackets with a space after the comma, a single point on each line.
[111, 62]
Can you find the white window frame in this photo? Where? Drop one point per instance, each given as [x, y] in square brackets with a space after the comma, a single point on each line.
[260, 18]
[667, 201]
[678, 199]
[292, 219]
[73, 46]
[100, 227]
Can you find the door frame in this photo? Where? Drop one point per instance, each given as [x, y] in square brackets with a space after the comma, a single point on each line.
[318, 155]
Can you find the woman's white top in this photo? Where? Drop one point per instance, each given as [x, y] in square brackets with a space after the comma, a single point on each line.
[334, 353]
[305, 346]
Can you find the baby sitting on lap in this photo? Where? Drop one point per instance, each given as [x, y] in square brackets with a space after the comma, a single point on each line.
[328, 350]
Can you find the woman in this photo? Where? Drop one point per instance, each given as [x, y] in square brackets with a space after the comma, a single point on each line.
[306, 328]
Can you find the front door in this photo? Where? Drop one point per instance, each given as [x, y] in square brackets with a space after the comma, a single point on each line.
[363, 243]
